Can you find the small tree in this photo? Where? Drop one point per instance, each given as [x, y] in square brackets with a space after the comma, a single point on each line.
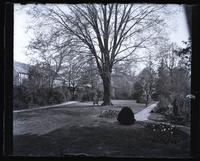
[185, 54]
[138, 91]
[34, 82]
[146, 78]
[122, 80]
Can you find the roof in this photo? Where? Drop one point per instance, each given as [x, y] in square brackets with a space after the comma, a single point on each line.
[21, 67]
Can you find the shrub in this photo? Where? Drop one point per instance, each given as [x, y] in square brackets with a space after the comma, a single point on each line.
[163, 133]
[122, 95]
[155, 96]
[140, 100]
[17, 104]
[126, 116]
[20, 99]
[162, 106]
[54, 96]
[138, 91]
[41, 96]
[46, 96]
[87, 96]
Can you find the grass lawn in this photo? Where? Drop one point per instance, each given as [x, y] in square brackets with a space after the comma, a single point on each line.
[84, 132]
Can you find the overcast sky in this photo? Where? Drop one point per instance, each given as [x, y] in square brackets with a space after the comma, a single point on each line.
[177, 29]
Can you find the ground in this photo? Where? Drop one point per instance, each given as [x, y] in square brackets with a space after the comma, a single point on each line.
[74, 129]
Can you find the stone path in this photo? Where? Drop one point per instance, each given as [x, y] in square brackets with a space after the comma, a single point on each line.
[144, 114]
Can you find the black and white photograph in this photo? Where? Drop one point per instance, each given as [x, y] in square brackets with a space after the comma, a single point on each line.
[102, 80]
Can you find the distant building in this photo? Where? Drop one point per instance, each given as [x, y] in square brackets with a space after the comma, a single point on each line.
[20, 72]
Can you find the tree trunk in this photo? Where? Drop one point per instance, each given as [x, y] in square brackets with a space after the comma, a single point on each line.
[63, 92]
[73, 93]
[107, 88]
[175, 107]
[147, 100]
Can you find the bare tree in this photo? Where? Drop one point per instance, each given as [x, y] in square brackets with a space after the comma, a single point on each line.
[111, 33]
[50, 53]
[71, 73]
[171, 61]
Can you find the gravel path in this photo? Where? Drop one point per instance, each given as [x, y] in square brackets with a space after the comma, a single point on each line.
[144, 114]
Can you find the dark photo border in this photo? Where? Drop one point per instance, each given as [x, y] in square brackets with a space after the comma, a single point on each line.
[7, 12]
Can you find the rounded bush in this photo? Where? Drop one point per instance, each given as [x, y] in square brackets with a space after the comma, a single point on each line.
[126, 116]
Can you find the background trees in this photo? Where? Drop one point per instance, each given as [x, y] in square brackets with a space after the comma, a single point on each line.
[96, 47]
[173, 82]
[144, 87]
[138, 91]
[185, 54]
[123, 78]
[110, 33]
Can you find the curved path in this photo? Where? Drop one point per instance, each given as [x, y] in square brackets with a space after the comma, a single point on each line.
[144, 114]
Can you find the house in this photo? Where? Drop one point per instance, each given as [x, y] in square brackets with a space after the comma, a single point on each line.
[20, 72]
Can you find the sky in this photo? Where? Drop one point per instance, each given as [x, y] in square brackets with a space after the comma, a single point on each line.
[178, 31]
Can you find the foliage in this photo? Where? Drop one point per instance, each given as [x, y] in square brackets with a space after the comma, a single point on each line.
[101, 32]
[138, 91]
[155, 96]
[173, 82]
[47, 96]
[20, 99]
[163, 102]
[167, 134]
[145, 85]
[87, 94]
[123, 80]
[41, 96]
[122, 95]
[185, 54]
